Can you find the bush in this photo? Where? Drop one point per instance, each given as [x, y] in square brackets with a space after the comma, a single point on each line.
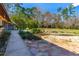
[4, 37]
[23, 34]
[36, 30]
[28, 35]
[32, 24]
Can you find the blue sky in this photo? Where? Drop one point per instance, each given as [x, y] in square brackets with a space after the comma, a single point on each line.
[51, 7]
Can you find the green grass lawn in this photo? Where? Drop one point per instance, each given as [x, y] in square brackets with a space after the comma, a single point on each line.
[62, 31]
[55, 31]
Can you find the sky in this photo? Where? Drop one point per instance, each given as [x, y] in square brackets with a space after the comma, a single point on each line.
[51, 7]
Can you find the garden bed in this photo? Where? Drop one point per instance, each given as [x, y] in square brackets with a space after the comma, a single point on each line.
[3, 41]
[36, 33]
[29, 35]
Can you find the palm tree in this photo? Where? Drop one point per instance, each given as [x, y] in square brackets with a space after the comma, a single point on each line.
[58, 17]
[72, 14]
[67, 13]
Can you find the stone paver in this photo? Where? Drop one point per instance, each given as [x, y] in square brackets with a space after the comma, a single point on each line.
[64, 43]
[44, 48]
[16, 46]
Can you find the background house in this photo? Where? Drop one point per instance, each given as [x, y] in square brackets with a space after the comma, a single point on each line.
[4, 18]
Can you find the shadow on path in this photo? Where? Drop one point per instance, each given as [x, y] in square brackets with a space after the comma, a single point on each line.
[53, 49]
[17, 47]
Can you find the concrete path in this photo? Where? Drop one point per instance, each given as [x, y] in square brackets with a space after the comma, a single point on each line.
[16, 46]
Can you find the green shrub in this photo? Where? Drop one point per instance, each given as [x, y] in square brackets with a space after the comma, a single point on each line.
[23, 34]
[36, 30]
[4, 37]
[28, 35]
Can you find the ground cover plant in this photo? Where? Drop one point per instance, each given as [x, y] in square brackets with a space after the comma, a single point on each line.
[28, 35]
[3, 41]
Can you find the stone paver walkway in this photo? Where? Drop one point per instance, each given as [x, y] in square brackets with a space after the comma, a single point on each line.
[69, 43]
[44, 48]
[16, 46]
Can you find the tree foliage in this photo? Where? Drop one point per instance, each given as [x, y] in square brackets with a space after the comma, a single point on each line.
[24, 18]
